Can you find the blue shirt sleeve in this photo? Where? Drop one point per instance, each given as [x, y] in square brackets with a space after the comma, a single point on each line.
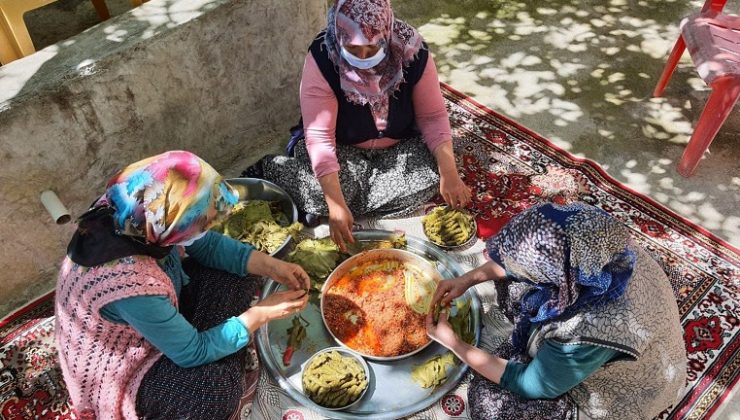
[556, 369]
[158, 320]
[221, 253]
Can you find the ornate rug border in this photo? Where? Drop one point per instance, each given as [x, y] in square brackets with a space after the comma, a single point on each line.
[7, 323]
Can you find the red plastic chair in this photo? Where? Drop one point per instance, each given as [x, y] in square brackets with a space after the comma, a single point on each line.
[713, 40]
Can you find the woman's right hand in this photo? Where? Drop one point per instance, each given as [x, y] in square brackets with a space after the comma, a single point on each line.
[448, 290]
[441, 331]
[340, 226]
[275, 306]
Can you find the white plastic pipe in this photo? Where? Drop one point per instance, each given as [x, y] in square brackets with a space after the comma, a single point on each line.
[54, 206]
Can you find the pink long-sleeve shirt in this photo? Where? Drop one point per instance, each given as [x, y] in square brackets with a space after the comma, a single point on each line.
[319, 109]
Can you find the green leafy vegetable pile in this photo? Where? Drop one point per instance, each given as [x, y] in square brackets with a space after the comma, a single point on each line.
[319, 257]
[448, 227]
[259, 223]
[333, 380]
[433, 372]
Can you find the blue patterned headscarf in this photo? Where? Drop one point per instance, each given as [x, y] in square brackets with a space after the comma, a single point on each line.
[572, 257]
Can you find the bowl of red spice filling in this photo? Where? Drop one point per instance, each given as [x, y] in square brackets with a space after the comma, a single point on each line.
[375, 303]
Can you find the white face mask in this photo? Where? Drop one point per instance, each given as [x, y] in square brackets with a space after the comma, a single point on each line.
[193, 239]
[363, 63]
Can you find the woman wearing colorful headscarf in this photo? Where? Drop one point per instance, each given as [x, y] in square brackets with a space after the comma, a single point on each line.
[377, 133]
[140, 333]
[596, 325]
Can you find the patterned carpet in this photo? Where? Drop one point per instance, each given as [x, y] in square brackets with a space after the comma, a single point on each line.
[510, 169]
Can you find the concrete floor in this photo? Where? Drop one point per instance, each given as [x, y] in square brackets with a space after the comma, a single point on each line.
[579, 73]
[582, 74]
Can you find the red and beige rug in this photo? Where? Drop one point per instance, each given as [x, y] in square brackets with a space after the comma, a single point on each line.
[510, 169]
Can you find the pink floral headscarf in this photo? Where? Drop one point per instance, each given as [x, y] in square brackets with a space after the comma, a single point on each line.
[168, 198]
[370, 22]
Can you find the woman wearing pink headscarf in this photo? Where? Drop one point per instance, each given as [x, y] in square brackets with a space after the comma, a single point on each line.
[377, 133]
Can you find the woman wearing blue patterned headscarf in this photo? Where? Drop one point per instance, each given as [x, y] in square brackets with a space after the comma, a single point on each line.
[596, 326]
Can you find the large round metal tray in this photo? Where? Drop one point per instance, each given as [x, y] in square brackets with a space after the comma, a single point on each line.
[347, 265]
[391, 393]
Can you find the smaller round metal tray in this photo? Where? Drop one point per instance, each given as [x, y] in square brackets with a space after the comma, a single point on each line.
[347, 353]
[468, 242]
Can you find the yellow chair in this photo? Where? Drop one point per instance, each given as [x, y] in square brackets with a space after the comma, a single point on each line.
[15, 42]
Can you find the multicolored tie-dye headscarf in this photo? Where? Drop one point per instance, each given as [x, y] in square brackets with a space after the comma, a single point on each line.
[572, 257]
[167, 199]
[370, 22]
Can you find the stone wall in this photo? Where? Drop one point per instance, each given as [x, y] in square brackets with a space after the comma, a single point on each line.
[219, 78]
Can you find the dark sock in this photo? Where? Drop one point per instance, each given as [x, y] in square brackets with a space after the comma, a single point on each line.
[309, 219]
[255, 171]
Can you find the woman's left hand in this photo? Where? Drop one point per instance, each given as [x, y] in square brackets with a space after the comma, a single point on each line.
[291, 275]
[454, 191]
[442, 331]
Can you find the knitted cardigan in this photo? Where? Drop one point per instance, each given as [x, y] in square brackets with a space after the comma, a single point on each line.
[104, 362]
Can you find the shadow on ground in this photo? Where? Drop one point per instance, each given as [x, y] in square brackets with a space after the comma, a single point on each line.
[49, 25]
[582, 75]
[579, 73]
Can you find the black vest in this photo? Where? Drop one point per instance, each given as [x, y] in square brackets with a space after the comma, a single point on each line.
[355, 123]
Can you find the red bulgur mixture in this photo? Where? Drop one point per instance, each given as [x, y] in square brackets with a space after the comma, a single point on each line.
[367, 311]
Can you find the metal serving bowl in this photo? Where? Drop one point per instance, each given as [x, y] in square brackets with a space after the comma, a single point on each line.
[344, 352]
[471, 239]
[259, 189]
[376, 254]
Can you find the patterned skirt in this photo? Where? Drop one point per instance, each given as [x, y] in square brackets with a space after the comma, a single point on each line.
[218, 390]
[489, 401]
[391, 182]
